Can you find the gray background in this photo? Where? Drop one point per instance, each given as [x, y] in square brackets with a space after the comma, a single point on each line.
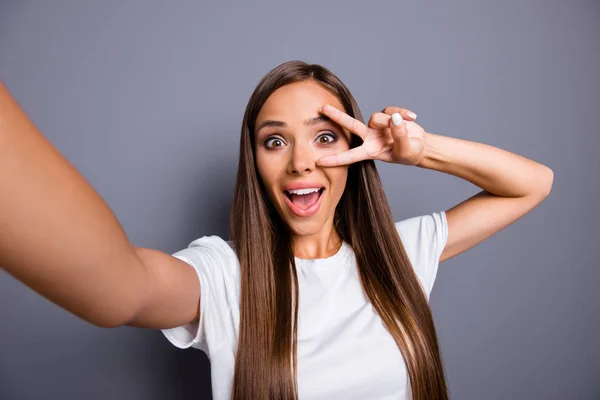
[146, 98]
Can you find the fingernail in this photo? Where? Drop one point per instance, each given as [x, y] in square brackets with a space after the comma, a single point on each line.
[412, 115]
[396, 119]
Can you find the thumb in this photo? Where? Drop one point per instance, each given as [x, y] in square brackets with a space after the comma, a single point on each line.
[402, 146]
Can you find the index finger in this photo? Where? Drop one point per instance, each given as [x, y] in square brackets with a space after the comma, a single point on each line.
[344, 158]
[345, 121]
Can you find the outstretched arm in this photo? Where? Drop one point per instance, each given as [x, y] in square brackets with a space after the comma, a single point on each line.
[59, 237]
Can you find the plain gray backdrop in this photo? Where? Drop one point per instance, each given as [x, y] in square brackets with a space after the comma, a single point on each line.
[145, 99]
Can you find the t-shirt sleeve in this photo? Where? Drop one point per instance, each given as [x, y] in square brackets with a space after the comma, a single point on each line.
[424, 239]
[214, 262]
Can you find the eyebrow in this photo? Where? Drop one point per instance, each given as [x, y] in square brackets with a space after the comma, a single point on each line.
[308, 122]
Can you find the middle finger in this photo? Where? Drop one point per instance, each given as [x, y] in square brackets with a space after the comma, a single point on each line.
[379, 120]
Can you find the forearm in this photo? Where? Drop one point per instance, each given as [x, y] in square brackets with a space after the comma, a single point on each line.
[57, 235]
[497, 171]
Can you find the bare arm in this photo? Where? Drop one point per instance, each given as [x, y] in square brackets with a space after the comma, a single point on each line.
[173, 292]
[512, 186]
[60, 238]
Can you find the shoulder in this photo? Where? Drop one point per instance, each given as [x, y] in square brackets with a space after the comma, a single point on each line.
[217, 269]
[213, 243]
[211, 253]
[425, 235]
[424, 226]
[424, 238]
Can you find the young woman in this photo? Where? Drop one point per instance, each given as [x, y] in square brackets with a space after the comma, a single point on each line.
[319, 294]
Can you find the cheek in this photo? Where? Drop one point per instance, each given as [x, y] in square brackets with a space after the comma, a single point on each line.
[268, 171]
[264, 167]
[339, 176]
[260, 169]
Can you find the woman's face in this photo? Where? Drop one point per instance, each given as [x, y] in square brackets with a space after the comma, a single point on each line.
[290, 136]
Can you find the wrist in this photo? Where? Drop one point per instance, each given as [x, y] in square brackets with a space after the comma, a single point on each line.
[432, 157]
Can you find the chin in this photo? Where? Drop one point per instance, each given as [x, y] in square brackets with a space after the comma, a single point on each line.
[307, 228]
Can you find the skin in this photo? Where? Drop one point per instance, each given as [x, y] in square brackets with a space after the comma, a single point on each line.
[289, 154]
[512, 185]
[152, 289]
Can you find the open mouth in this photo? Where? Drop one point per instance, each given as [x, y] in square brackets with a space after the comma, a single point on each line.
[304, 202]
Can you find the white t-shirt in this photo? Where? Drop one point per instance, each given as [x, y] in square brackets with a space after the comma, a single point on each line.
[344, 349]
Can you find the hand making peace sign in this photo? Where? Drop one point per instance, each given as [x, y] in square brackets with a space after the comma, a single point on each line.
[391, 136]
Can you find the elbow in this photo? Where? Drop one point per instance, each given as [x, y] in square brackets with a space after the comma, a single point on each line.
[543, 185]
[547, 182]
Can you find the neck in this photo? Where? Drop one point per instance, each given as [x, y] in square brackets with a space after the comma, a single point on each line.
[322, 244]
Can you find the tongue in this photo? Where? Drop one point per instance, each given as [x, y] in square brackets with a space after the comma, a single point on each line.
[305, 200]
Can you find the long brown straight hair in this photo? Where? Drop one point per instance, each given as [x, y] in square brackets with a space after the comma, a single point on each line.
[266, 358]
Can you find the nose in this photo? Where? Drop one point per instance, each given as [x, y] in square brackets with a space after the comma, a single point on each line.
[302, 160]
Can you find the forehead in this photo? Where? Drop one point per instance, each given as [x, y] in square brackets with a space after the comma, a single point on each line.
[296, 102]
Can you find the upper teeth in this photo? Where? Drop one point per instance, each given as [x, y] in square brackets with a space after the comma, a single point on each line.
[304, 191]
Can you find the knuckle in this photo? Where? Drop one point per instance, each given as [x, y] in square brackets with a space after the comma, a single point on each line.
[392, 109]
[382, 118]
[372, 120]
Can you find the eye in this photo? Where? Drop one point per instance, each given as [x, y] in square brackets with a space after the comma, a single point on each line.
[274, 142]
[327, 138]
